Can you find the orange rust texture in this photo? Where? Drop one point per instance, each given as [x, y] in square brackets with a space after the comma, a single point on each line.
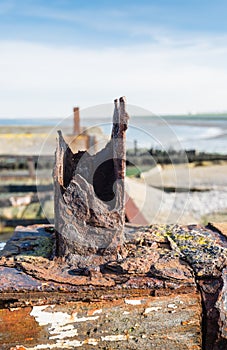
[17, 326]
[221, 227]
[133, 322]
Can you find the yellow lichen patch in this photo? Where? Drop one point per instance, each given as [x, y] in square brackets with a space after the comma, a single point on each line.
[43, 247]
[201, 240]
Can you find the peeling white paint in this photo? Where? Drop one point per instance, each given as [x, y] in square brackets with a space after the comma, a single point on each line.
[71, 344]
[117, 337]
[152, 309]
[94, 312]
[172, 306]
[60, 326]
[57, 317]
[83, 319]
[62, 334]
[63, 331]
[64, 344]
[133, 301]
[93, 341]
[99, 311]
[54, 318]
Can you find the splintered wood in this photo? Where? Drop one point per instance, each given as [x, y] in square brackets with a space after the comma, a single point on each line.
[89, 195]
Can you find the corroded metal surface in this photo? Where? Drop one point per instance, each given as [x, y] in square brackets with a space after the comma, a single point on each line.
[89, 195]
[18, 327]
[160, 263]
[35, 240]
[221, 305]
[142, 267]
[130, 323]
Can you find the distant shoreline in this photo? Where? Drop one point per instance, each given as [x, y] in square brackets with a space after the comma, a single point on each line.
[178, 115]
[207, 135]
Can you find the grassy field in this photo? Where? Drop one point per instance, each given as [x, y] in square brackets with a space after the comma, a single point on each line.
[134, 171]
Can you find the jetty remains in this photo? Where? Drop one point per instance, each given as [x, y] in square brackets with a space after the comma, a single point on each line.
[91, 281]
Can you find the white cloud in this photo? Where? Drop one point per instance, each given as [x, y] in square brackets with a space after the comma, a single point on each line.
[37, 80]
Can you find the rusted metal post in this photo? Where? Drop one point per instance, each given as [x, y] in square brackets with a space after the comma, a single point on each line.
[76, 124]
[89, 196]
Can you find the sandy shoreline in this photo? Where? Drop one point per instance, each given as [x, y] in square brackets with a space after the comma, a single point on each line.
[207, 200]
[188, 176]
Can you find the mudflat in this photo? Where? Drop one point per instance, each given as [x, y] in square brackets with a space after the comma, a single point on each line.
[28, 140]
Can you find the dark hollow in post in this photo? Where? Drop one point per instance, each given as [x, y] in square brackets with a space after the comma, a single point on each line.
[89, 195]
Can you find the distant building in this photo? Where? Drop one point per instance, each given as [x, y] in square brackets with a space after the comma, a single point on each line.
[83, 139]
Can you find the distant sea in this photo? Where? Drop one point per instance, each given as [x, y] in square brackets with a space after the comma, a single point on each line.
[205, 133]
[29, 122]
[201, 133]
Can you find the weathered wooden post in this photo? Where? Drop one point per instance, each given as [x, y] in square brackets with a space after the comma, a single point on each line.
[31, 167]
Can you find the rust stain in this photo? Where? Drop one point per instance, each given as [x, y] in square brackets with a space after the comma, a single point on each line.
[17, 325]
[160, 261]
[133, 213]
[132, 323]
[221, 227]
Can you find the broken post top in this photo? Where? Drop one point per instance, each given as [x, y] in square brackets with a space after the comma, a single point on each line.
[89, 194]
[120, 115]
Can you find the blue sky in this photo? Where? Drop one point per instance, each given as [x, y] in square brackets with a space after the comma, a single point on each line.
[166, 56]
